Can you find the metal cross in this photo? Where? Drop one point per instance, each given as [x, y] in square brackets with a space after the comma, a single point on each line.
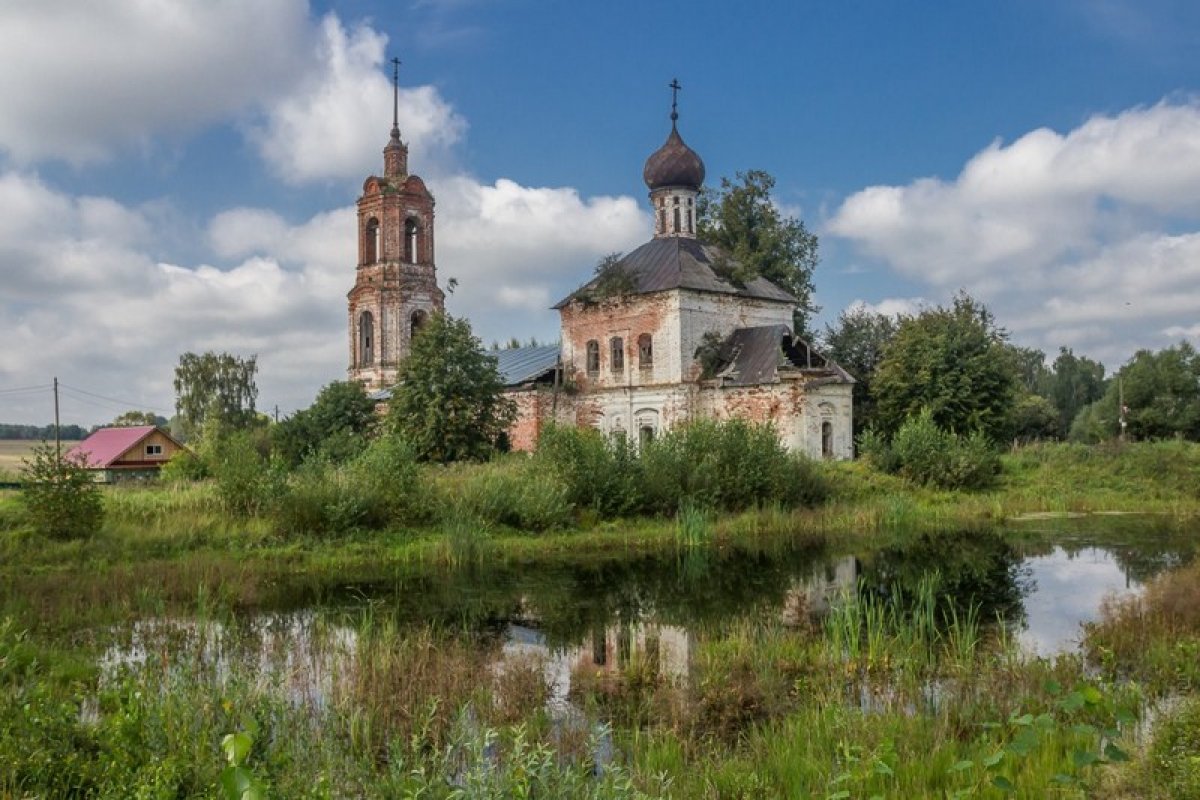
[395, 92]
[675, 87]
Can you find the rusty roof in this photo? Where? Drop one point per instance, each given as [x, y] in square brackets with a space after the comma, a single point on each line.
[677, 262]
[754, 356]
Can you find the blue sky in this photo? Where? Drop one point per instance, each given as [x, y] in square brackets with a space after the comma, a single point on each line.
[185, 180]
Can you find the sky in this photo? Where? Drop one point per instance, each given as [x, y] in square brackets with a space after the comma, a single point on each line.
[180, 175]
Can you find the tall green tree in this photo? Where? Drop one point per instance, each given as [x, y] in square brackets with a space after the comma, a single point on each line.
[337, 425]
[449, 401]
[956, 363]
[215, 387]
[857, 342]
[761, 241]
[1161, 391]
[1075, 381]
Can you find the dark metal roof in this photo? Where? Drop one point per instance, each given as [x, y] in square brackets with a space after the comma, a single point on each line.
[519, 365]
[677, 262]
[754, 356]
[673, 164]
[516, 365]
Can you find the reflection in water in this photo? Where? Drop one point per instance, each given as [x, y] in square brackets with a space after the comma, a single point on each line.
[608, 612]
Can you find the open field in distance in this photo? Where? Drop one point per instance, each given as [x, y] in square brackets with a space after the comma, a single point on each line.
[12, 451]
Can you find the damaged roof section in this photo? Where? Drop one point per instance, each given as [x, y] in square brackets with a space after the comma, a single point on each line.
[680, 263]
[771, 353]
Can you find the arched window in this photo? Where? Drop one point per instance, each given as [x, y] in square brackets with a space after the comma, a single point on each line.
[662, 220]
[418, 320]
[593, 357]
[691, 224]
[371, 242]
[645, 351]
[366, 339]
[616, 354]
[826, 439]
[411, 236]
[677, 220]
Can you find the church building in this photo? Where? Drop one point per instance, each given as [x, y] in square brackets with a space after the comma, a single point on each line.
[656, 338]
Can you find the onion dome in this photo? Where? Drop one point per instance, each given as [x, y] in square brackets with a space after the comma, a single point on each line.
[674, 165]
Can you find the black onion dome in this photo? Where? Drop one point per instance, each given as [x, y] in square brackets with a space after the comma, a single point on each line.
[674, 164]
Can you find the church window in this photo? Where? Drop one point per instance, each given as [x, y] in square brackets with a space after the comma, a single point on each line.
[691, 228]
[371, 242]
[366, 338]
[645, 351]
[662, 220]
[617, 354]
[593, 357]
[411, 237]
[827, 439]
[419, 318]
[645, 435]
[676, 220]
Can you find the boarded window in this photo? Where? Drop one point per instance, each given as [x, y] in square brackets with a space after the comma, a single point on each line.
[593, 356]
[617, 353]
[645, 351]
[366, 338]
[371, 242]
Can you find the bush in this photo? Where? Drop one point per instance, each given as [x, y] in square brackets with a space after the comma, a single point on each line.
[376, 489]
[184, 466]
[603, 476]
[512, 491]
[247, 484]
[60, 495]
[924, 453]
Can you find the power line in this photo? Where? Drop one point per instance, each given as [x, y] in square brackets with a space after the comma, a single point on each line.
[125, 403]
[45, 387]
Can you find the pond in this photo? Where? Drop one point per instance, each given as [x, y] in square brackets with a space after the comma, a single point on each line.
[1042, 579]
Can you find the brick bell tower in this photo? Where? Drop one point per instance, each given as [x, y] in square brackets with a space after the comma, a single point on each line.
[395, 288]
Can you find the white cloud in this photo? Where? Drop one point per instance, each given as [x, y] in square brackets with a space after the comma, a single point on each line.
[892, 306]
[80, 79]
[336, 123]
[1080, 239]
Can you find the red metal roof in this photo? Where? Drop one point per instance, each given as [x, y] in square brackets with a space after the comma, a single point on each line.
[106, 445]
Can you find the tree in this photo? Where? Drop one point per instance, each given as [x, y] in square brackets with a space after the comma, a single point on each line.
[449, 400]
[743, 220]
[338, 425]
[857, 343]
[1031, 369]
[953, 361]
[217, 385]
[60, 495]
[132, 419]
[1033, 418]
[1161, 392]
[1074, 382]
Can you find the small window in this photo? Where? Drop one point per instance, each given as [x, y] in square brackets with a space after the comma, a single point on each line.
[366, 339]
[617, 354]
[593, 356]
[645, 435]
[827, 439]
[645, 351]
[411, 250]
[676, 220]
[154, 449]
[662, 220]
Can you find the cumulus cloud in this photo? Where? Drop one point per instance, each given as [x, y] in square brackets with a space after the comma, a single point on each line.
[78, 80]
[1082, 239]
[892, 306]
[336, 123]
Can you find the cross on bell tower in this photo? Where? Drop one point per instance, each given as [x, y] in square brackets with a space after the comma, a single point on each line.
[395, 289]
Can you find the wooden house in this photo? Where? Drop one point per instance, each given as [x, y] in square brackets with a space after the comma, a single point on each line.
[125, 453]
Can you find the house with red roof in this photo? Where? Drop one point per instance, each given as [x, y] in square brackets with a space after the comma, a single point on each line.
[125, 453]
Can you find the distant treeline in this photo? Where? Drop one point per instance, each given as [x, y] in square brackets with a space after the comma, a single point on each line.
[8, 431]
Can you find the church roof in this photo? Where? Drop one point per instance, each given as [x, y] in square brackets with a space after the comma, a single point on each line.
[673, 164]
[677, 262]
[754, 356]
[518, 365]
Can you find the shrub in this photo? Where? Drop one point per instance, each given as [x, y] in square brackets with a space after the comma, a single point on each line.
[247, 484]
[184, 466]
[924, 453]
[514, 492]
[601, 475]
[60, 496]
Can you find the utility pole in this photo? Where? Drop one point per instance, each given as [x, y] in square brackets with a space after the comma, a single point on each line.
[276, 412]
[57, 438]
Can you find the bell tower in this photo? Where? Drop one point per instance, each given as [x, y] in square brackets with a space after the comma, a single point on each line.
[395, 288]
